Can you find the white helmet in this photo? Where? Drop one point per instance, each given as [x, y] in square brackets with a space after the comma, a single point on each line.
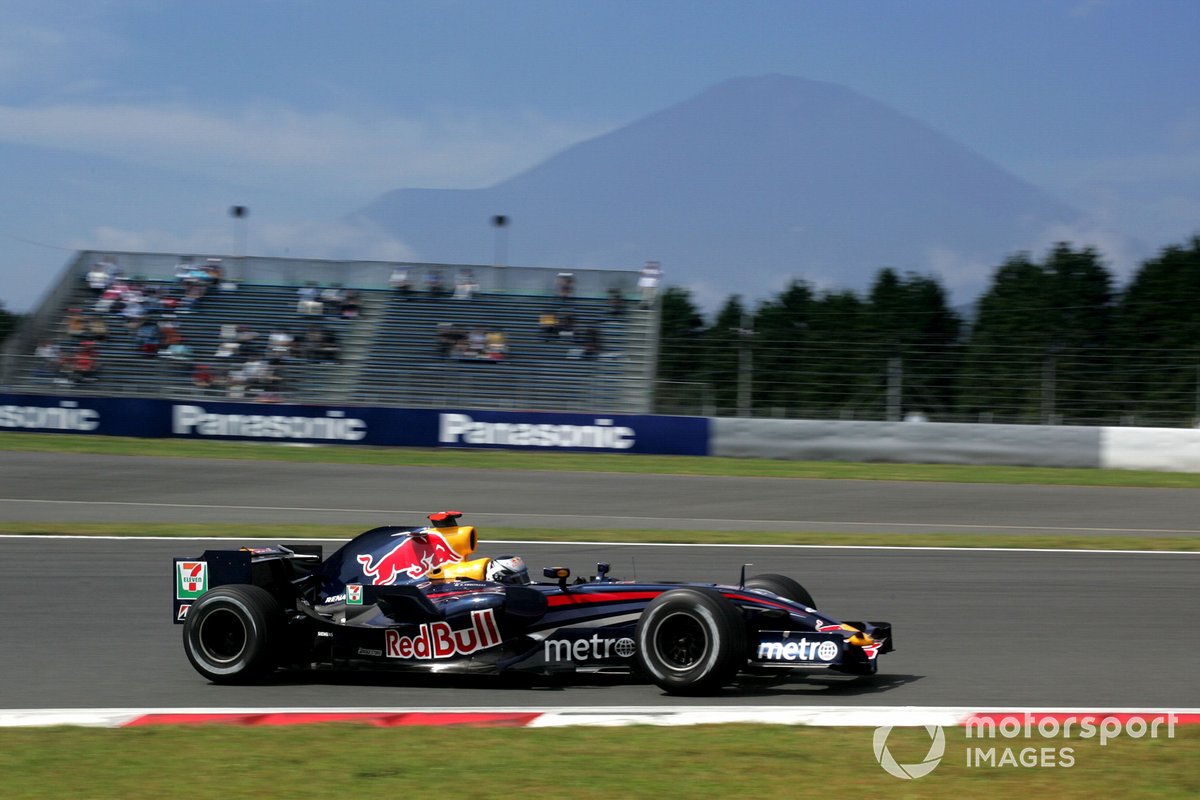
[508, 569]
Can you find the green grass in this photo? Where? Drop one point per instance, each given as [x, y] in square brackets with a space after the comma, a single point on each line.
[640, 762]
[588, 462]
[490, 534]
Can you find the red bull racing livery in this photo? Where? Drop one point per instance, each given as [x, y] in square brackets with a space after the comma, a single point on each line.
[416, 599]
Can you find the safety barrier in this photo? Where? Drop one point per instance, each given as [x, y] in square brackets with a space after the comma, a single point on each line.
[1168, 449]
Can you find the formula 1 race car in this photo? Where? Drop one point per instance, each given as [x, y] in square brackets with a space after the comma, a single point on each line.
[414, 599]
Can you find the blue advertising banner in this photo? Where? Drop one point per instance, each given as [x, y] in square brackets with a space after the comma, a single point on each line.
[201, 419]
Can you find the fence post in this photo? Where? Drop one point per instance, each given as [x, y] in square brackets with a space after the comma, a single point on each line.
[895, 388]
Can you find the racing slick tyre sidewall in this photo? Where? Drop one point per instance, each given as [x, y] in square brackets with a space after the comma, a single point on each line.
[691, 641]
[230, 633]
[783, 586]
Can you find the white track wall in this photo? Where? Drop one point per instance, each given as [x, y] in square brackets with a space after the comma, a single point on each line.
[1166, 449]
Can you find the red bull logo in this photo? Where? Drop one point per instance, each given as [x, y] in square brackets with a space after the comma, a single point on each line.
[439, 640]
[413, 557]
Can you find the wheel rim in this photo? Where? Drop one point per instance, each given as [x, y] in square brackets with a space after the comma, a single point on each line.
[680, 641]
[222, 636]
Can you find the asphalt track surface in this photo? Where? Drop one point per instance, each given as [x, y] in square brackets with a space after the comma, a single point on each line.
[87, 623]
[65, 487]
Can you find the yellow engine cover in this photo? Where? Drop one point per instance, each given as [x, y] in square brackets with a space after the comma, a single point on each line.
[475, 570]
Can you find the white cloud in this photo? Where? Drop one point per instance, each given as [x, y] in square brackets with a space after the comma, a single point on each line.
[269, 145]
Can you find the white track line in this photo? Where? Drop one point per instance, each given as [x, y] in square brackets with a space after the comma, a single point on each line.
[407, 513]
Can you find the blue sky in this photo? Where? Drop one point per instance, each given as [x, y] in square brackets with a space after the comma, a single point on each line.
[135, 125]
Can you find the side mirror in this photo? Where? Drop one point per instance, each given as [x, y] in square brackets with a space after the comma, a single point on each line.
[559, 573]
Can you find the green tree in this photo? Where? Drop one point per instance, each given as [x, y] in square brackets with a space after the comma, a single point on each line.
[722, 354]
[681, 352]
[1037, 347]
[1156, 331]
[911, 321]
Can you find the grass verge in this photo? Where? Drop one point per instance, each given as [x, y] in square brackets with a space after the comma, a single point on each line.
[589, 462]
[703, 761]
[490, 534]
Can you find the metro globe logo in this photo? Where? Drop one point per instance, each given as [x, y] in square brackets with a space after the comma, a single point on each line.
[798, 650]
[588, 648]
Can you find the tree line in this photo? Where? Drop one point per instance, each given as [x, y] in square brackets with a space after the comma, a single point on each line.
[1050, 341]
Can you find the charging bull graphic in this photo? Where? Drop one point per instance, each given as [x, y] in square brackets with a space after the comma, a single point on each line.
[414, 556]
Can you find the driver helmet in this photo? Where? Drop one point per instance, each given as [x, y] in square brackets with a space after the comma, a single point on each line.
[508, 569]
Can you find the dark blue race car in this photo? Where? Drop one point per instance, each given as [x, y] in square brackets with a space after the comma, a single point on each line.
[414, 599]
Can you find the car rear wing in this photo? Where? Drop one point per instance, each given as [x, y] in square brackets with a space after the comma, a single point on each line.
[280, 569]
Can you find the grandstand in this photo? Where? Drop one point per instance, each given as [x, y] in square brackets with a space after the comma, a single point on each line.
[416, 349]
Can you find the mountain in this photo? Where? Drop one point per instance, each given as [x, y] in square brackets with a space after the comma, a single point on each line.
[742, 188]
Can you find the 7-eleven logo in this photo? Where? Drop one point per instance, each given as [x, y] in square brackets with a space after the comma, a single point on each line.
[191, 579]
[354, 594]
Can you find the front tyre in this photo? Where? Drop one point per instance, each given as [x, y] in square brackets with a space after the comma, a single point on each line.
[691, 641]
[783, 586]
[231, 632]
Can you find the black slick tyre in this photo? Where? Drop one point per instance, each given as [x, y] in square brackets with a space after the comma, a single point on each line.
[231, 632]
[783, 586]
[691, 641]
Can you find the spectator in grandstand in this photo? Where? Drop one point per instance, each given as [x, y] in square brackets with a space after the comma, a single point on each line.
[476, 343]
[497, 346]
[593, 343]
[178, 351]
[75, 323]
[98, 277]
[215, 272]
[447, 339]
[566, 326]
[191, 298]
[308, 303]
[279, 343]
[202, 377]
[97, 328]
[235, 381]
[548, 324]
[434, 284]
[148, 339]
[310, 344]
[184, 271]
[351, 305]
[465, 284]
[134, 314]
[648, 282]
[400, 283]
[616, 301]
[331, 351]
[83, 366]
[564, 285]
[49, 359]
[108, 298]
[331, 298]
[170, 331]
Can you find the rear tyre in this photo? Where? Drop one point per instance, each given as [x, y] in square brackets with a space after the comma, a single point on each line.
[231, 633]
[783, 586]
[691, 641]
